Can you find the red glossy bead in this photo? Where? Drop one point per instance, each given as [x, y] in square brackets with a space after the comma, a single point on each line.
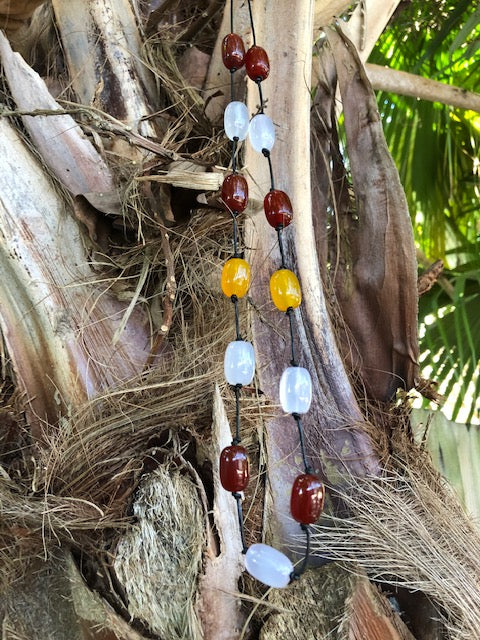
[234, 472]
[307, 497]
[235, 192]
[278, 208]
[233, 51]
[257, 63]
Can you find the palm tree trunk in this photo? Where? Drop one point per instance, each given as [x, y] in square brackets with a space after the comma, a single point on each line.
[109, 467]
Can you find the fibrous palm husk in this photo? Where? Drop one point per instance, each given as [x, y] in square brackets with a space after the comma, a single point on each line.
[407, 528]
[158, 561]
[93, 460]
[58, 322]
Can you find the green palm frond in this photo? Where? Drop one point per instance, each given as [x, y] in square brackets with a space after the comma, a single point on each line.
[451, 340]
[436, 147]
[437, 150]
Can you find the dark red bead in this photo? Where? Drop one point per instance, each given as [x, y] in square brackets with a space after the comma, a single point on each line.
[233, 52]
[235, 192]
[278, 208]
[306, 501]
[234, 472]
[256, 63]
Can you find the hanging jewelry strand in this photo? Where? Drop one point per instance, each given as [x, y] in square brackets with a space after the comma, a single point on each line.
[239, 362]
[262, 561]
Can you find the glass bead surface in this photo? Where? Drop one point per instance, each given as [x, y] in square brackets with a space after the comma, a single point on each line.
[233, 52]
[235, 277]
[278, 208]
[285, 289]
[235, 192]
[261, 133]
[234, 473]
[257, 64]
[295, 390]
[307, 498]
[235, 120]
[239, 363]
[268, 565]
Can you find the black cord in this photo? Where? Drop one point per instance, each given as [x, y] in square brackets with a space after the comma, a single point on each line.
[238, 498]
[280, 246]
[251, 22]
[296, 573]
[266, 153]
[234, 154]
[234, 299]
[298, 420]
[293, 361]
[259, 85]
[237, 438]
[235, 235]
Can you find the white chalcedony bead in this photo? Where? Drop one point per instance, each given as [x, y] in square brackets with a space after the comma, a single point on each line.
[295, 390]
[268, 565]
[261, 133]
[239, 363]
[235, 120]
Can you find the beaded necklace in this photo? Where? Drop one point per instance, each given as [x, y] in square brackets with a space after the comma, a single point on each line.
[268, 565]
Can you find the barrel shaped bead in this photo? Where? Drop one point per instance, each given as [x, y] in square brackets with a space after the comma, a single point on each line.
[257, 64]
[234, 471]
[235, 192]
[235, 277]
[307, 498]
[261, 133]
[285, 289]
[235, 120]
[295, 390]
[268, 565]
[278, 208]
[233, 52]
[239, 363]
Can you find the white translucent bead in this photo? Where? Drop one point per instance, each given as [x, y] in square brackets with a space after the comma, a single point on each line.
[239, 363]
[261, 133]
[235, 120]
[295, 390]
[270, 566]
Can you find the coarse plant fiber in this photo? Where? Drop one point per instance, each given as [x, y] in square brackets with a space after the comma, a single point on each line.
[159, 559]
[407, 528]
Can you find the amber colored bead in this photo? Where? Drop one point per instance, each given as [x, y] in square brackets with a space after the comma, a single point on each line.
[307, 498]
[285, 289]
[235, 277]
[278, 208]
[233, 51]
[257, 63]
[235, 192]
[234, 472]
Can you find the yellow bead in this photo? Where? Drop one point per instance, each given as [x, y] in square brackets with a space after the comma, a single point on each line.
[235, 277]
[285, 289]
